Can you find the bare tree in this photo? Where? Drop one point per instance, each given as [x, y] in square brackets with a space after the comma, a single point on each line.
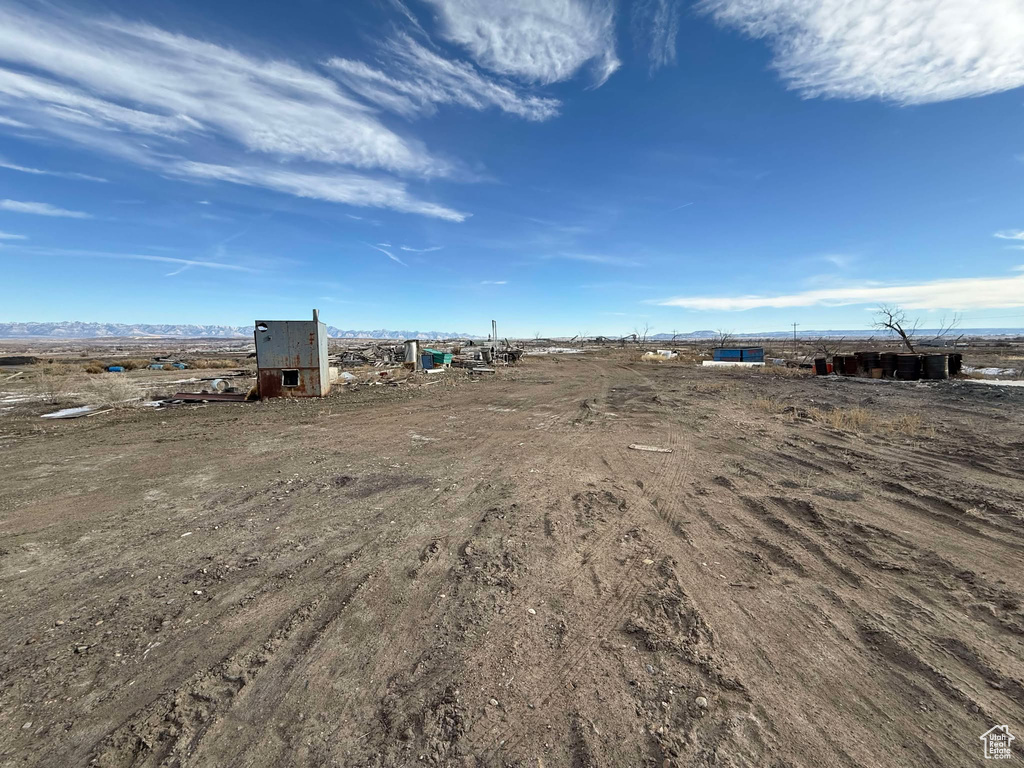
[723, 338]
[946, 327]
[893, 319]
[828, 347]
[647, 330]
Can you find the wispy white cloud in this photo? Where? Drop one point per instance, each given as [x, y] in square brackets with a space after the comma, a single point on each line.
[422, 250]
[151, 97]
[955, 293]
[41, 209]
[40, 172]
[10, 236]
[13, 123]
[494, 282]
[87, 254]
[542, 41]
[906, 51]
[1010, 234]
[178, 85]
[656, 27]
[418, 80]
[350, 188]
[389, 254]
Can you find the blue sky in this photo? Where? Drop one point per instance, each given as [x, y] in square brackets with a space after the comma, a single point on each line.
[562, 166]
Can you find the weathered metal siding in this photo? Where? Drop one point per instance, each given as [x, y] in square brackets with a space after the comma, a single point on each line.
[325, 373]
[288, 344]
[271, 386]
[292, 345]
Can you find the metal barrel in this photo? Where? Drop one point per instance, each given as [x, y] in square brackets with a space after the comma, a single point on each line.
[820, 366]
[936, 366]
[956, 361]
[837, 364]
[852, 365]
[888, 363]
[908, 366]
[870, 360]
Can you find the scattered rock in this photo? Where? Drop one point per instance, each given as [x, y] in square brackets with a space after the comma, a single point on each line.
[59, 623]
[197, 592]
[650, 669]
[81, 648]
[648, 561]
[701, 702]
[493, 702]
[27, 725]
[531, 611]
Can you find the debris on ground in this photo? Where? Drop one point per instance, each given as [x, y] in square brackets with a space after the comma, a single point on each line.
[649, 448]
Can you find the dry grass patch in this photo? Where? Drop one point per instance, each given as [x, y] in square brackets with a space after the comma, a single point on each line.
[111, 391]
[55, 382]
[202, 363]
[782, 370]
[855, 419]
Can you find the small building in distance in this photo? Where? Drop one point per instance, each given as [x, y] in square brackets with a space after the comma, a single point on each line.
[291, 358]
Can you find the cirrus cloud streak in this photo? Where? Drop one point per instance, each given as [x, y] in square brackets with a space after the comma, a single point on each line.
[906, 51]
[954, 293]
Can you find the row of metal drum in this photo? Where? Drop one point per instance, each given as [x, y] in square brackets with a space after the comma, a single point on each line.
[908, 366]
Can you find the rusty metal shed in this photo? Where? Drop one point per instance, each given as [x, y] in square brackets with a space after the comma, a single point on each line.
[291, 356]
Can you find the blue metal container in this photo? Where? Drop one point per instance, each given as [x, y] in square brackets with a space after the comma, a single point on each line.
[426, 362]
[115, 368]
[753, 355]
[738, 354]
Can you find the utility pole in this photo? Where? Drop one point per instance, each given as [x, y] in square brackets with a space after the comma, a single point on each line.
[794, 337]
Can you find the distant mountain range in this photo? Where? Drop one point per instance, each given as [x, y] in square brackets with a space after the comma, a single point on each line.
[77, 330]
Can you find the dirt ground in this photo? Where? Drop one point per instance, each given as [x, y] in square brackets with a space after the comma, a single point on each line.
[485, 574]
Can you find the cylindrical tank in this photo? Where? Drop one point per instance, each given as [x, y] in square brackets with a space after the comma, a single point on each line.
[908, 366]
[955, 363]
[888, 362]
[412, 352]
[936, 366]
[820, 366]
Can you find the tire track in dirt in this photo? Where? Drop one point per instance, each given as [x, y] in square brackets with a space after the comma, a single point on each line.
[609, 613]
[170, 729]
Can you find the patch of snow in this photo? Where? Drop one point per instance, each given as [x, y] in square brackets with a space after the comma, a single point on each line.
[990, 371]
[69, 413]
[731, 364]
[556, 351]
[997, 383]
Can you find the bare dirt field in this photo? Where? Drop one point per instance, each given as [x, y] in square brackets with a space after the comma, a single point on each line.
[821, 572]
